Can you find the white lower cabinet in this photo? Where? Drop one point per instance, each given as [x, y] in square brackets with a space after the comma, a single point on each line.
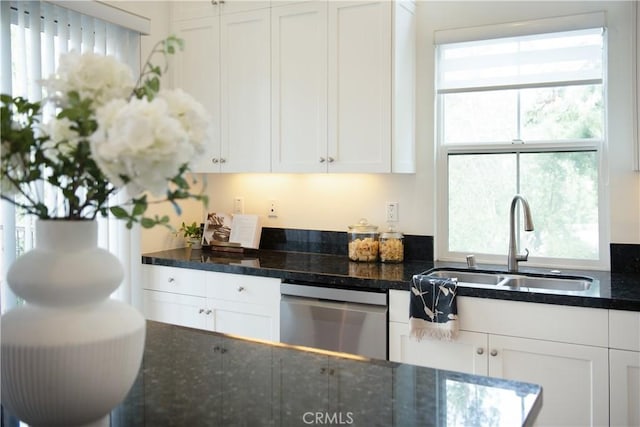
[466, 354]
[624, 367]
[516, 341]
[574, 378]
[229, 303]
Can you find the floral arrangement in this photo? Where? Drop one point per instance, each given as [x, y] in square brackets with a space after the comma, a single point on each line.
[109, 134]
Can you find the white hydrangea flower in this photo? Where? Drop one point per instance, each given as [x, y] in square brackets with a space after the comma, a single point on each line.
[62, 138]
[97, 77]
[141, 141]
[191, 114]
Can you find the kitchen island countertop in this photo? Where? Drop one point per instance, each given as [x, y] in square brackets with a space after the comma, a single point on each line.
[610, 290]
[243, 382]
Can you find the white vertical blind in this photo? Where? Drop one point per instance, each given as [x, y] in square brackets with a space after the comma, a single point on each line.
[34, 35]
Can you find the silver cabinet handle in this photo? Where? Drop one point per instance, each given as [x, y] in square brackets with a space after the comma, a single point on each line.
[331, 159]
[480, 350]
[221, 159]
[494, 352]
[208, 312]
[201, 311]
[322, 160]
[215, 160]
[171, 280]
[240, 288]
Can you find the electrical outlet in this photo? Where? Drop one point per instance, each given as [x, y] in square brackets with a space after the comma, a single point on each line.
[238, 205]
[273, 209]
[392, 212]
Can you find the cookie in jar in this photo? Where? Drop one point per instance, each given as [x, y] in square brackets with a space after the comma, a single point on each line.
[391, 246]
[363, 242]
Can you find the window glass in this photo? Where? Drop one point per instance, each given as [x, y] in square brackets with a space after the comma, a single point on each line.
[562, 190]
[480, 189]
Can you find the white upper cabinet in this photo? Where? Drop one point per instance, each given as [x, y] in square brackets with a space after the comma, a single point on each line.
[343, 87]
[299, 87]
[226, 67]
[360, 86]
[199, 75]
[305, 87]
[245, 73]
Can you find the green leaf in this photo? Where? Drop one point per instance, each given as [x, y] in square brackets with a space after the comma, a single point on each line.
[147, 222]
[119, 212]
[139, 206]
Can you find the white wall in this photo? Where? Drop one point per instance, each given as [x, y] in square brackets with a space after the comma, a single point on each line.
[332, 202]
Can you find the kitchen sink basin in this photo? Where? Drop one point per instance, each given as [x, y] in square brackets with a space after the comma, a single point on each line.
[515, 281]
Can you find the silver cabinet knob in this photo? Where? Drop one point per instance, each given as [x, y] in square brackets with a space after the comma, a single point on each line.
[214, 2]
[240, 288]
[322, 160]
[171, 280]
[201, 311]
[331, 159]
[480, 350]
[215, 160]
[208, 312]
[221, 159]
[494, 352]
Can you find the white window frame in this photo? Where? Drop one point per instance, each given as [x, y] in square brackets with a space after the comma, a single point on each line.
[444, 150]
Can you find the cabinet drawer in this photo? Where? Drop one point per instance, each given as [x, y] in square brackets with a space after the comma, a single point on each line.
[568, 324]
[246, 289]
[624, 330]
[577, 325]
[177, 280]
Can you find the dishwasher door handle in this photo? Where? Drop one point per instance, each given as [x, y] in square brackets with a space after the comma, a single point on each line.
[333, 305]
[333, 294]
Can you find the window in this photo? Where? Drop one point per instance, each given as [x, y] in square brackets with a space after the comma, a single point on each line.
[34, 34]
[522, 114]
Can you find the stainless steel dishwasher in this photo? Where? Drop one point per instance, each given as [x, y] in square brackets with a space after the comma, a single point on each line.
[345, 320]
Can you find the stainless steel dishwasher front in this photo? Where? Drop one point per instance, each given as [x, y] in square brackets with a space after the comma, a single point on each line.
[344, 320]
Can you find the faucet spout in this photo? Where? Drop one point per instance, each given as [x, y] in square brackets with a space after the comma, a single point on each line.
[513, 256]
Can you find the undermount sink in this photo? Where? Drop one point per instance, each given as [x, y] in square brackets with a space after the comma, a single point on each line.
[514, 281]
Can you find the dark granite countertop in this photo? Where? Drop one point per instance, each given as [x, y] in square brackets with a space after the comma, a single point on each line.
[610, 290]
[243, 382]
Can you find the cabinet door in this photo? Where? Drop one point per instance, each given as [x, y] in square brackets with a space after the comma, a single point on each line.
[197, 72]
[299, 88]
[303, 391]
[246, 376]
[360, 86]
[199, 401]
[248, 320]
[624, 380]
[467, 353]
[347, 381]
[574, 378]
[245, 72]
[176, 309]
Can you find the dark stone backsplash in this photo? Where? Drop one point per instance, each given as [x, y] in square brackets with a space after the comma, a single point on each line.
[625, 258]
[416, 248]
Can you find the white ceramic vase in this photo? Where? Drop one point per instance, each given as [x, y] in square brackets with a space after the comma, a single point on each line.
[70, 354]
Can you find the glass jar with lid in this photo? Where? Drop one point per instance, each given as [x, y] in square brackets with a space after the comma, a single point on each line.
[363, 241]
[391, 246]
